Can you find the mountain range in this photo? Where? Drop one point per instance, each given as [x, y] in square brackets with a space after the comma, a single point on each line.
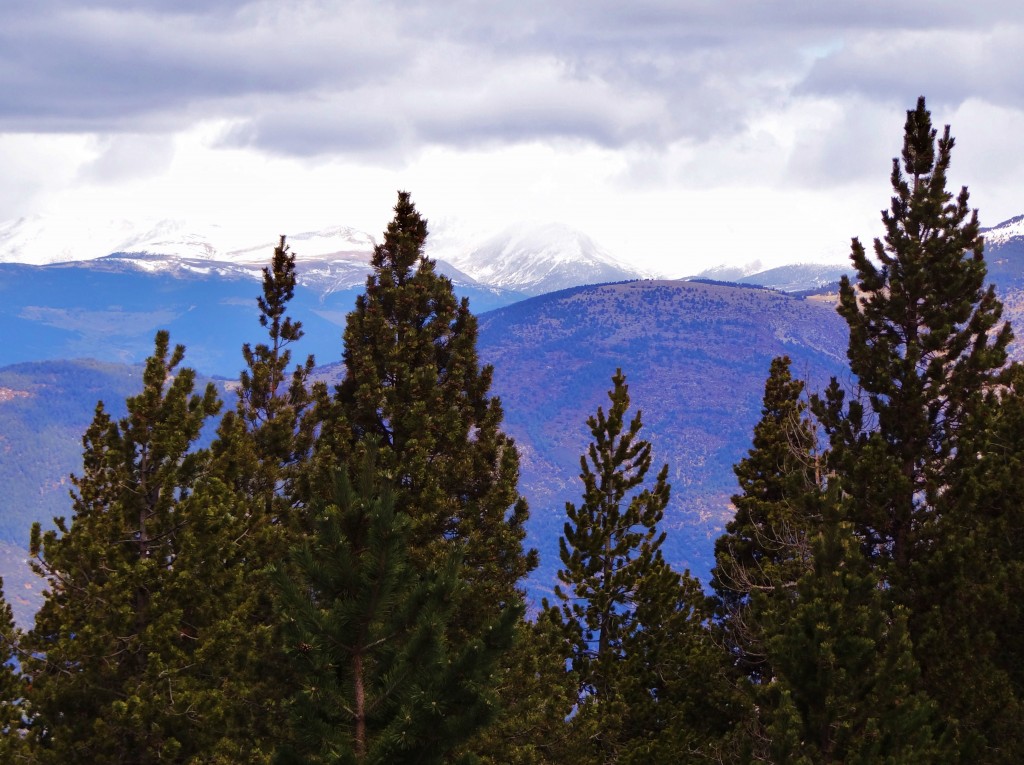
[695, 354]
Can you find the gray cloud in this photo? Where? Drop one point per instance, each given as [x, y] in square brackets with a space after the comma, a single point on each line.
[949, 66]
[384, 78]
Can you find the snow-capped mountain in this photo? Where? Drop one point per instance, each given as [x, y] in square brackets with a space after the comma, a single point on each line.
[535, 259]
[40, 240]
[1004, 252]
[799, 277]
[526, 260]
[729, 273]
[1003, 233]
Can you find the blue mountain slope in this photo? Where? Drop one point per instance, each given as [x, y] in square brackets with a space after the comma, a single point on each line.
[79, 310]
[695, 356]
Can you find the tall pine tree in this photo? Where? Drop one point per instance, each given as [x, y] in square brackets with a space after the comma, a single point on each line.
[611, 542]
[125, 656]
[632, 623]
[271, 402]
[261, 450]
[928, 351]
[413, 383]
[766, 547]
[414, 386]
[925, 344]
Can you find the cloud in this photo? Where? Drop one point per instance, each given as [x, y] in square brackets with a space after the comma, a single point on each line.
[127, 156]
[381, 81]
[99, 68]
[948, 66]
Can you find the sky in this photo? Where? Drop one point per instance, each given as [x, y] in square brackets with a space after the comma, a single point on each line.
[678, 134]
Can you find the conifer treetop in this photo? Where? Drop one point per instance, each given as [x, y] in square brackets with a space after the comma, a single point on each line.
[402, 248]
[925, 332]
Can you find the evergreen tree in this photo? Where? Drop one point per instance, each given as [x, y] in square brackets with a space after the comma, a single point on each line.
[273, 412]
[845, 688]
[611, 543]
[539, 696]
[766, 547]
[925, 343]
[414, 386]
[928, 350]
[413, 382]
[637, 645]
[261, 449]
[12, 688]
[125, 657]
[971, 591]
[381, 682]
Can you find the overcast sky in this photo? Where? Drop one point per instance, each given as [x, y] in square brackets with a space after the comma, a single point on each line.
[679, 134]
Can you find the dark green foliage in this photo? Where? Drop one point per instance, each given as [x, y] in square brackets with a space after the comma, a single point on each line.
[928, 349]
[845, 682]
[260, 451]
[539, 696]
[414, 384]
[610, 543]
[766, 547]
[13, 710]
[972, 588]
[125, 653]
[676, 680]
[381, 683]
[272, 412]
[262, 444]
[641, 658]
[925, 343]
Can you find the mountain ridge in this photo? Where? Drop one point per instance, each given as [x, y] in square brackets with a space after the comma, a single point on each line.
[523, 259]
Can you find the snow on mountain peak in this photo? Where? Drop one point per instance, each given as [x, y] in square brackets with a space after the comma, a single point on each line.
[39, 240]
[1005, 231]
[526, 257]
[536, 258]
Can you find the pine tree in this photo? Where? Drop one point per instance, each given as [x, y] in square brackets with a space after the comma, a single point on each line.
[12, 688]
[634, 627]
[381, 681]
[925, 343]
[261, 450]
[124, 659]
[766, 547]
[845, 688]
[539, 697]
[928, 351]
[273, 412]
[414, 384]
[610, 543]
[972, 590]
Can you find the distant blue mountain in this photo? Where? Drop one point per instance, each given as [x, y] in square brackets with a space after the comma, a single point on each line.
[94, 310]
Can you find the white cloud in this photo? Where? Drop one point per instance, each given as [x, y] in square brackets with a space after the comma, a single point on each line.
[675, 133]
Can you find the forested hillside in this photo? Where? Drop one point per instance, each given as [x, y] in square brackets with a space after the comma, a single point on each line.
[695, 355]
[314, 573]
[698, 353]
